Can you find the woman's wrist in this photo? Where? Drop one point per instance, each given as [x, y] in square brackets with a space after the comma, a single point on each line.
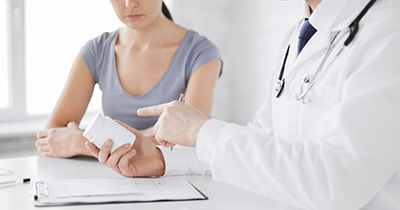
[162, 161]
[80, 146]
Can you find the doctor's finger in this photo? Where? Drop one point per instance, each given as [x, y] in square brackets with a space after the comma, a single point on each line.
[156, 128]
[163, 142]
[152, 110]
[160, 135]
[105, 151]
[167, 144]
[92, 148]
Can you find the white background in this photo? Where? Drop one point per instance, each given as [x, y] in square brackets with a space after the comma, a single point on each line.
[3, 57]
[248, 34]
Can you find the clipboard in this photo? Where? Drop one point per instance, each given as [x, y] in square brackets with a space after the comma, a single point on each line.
[49, 193]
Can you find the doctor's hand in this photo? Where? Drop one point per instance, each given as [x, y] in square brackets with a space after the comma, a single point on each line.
[149, 133]
[62, 142]
[143, 159]
[178, 123]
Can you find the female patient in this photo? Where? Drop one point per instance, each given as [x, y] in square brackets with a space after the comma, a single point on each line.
[149, 61]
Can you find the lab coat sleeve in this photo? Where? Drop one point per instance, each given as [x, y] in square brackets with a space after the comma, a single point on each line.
[356, 152]
[181, 160]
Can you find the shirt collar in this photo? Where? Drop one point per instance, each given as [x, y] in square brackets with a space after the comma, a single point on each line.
[305, 12]
[332, 15]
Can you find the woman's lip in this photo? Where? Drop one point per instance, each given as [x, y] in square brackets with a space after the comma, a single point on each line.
[135, 16]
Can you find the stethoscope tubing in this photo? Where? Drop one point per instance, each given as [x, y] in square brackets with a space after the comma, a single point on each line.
[352, 30]
[313, 81]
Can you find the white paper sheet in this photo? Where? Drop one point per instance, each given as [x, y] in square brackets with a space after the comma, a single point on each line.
[84, 187]
[134, 189]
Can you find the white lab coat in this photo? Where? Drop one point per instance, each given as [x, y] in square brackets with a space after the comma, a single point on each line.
[340, 149]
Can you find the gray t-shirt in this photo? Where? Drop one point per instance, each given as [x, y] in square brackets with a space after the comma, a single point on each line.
[99, 55]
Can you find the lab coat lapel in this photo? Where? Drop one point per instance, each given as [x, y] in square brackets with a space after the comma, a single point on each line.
[286, 42]
[318, 44]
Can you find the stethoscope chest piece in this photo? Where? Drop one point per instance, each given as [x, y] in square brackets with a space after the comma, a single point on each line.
[280, 84]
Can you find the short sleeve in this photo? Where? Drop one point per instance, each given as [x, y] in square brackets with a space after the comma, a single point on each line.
[97, 51]
[203, 51]
[89, 55]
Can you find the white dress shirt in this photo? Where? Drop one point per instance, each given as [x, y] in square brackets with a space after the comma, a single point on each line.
[339, 147]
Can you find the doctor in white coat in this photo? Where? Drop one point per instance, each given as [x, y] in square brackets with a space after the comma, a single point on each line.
[327, 135]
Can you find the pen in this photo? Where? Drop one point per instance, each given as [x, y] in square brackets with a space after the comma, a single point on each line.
[14, 182]
[181, 99]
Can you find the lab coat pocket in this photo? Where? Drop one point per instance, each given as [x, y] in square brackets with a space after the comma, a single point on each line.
[317, 103]
[322, 96]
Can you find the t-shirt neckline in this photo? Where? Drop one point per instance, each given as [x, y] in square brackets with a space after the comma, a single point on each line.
[163, 78]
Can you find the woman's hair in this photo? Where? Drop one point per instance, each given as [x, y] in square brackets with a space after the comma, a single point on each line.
[166, 12]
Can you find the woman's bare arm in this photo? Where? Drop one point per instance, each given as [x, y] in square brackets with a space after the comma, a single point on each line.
[62, 136]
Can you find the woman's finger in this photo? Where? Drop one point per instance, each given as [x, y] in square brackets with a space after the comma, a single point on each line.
[134, 131]
[42, 149]
[124, 166]
[112, 161]
[92, 148]
[41, 134]
[105, 151]
[41, 142]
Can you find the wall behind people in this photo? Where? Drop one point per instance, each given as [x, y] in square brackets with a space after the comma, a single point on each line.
[248, 34]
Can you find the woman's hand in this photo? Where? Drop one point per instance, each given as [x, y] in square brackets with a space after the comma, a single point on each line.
[143, 159]
[61, 142]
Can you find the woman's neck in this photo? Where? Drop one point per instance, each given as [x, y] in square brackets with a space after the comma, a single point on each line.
[154, 34]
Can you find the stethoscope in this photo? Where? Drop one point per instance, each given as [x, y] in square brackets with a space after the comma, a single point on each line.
[353, 30]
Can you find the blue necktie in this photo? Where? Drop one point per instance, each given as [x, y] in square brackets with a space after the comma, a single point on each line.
[306, 32]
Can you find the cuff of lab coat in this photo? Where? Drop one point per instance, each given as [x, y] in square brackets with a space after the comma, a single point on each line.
[175, 161]
[207, 139]
[182, 161]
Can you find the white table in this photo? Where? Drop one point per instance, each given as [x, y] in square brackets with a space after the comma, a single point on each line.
[17, 197]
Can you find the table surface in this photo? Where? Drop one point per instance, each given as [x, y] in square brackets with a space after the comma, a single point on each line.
[221, 195]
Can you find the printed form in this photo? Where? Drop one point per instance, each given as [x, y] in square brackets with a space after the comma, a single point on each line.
[115, 190]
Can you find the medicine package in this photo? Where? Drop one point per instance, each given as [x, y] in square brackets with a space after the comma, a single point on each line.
[100, 129]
